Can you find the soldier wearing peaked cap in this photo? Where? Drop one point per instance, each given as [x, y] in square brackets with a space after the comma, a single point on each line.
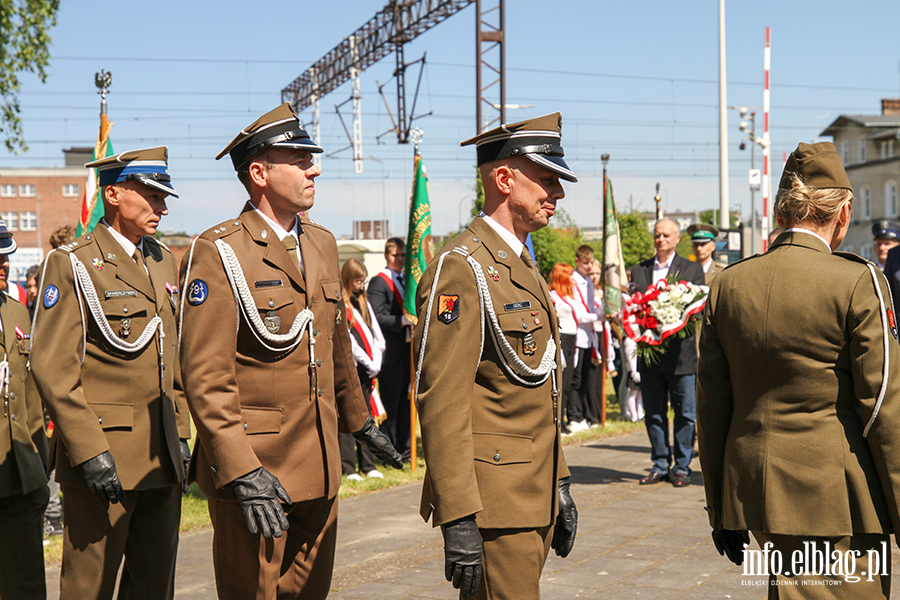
[269, 374]
[497, 482]
[105, 362]
[797, 395]
[887, 236]
[23, 449]
[703, 243]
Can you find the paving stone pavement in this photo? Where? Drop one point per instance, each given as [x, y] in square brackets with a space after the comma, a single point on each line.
[646, 542]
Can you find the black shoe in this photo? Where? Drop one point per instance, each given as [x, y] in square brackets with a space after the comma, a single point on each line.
[653, 477]
[681, 479]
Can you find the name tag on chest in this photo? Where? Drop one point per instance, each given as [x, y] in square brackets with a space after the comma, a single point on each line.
[120, 294]
[269, 283]
[517, 305]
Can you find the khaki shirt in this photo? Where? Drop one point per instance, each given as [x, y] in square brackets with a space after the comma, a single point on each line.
[491, 444]
[116, 400]
[254, 407]
[795, 355]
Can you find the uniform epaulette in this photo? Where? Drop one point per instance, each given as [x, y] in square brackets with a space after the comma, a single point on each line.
[745, 259]
[854, 258]
[159, 242]
[221, 230]
[307, 222]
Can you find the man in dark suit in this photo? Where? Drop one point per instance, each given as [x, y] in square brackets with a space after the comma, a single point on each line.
[386, 296]
[673, 376]
[892, 272]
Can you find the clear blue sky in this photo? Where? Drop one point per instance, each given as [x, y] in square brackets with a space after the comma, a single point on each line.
[637, 80]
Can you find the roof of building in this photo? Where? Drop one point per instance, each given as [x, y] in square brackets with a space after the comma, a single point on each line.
[879, 121]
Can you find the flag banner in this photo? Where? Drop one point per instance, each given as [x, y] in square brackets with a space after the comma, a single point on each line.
[613, 263]
[419, 245]
[91, 203]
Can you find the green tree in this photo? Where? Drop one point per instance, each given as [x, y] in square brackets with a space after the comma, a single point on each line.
[24, 46]
[478, 202]
[557, 242]
[637, 242]
[712, 217]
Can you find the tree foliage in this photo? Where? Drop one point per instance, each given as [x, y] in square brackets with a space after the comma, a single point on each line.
[637, 242]
[24, 47]
[557, 242]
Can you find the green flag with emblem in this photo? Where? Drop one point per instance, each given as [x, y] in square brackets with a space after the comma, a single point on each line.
[613, 264]
[419, 246]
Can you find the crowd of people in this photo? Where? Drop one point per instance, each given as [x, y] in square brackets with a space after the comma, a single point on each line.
[294, 372]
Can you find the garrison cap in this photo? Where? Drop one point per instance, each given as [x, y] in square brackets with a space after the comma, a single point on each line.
[147, 165]
[7, 243]
[538, 139]
[703, 232]
[884, 228]
[279, 127]
[818, 165]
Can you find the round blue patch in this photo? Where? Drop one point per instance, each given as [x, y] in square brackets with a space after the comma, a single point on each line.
[197, 292]
[51, 296]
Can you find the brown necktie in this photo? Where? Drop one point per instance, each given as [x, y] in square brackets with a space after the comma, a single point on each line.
[526, 256]
[290, 244]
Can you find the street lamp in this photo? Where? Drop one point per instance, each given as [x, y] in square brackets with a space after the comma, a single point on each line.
[749, 130]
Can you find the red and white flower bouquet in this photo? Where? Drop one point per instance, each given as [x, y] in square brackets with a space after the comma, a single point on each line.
[666, 310]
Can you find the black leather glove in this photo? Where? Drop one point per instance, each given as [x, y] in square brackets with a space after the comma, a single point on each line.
[566, 521]
[258, 493]
[462, 555]
[378, 444]
[730, 543]
[102, 479]
[186, 461]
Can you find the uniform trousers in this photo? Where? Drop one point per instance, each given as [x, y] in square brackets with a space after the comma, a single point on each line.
[298, 565]
[513, 561]
[21, 545]
[831, 587]
[97, 535]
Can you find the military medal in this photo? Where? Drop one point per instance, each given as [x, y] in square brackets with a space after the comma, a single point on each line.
[98, 263]
[273, 323]
[493, 273]
[124, 328]
[537, 319]
[529, 345]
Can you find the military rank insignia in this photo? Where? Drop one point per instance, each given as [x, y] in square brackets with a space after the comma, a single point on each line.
[495, 275]
[892, 322]
[98, 264]
[448, 308]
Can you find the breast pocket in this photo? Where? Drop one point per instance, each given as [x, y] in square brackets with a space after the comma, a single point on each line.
[277, 307]
[331, 291]
[127, 316]
[526, 333]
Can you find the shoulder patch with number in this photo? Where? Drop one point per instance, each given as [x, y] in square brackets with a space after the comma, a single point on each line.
[197, 292]
[448, 308]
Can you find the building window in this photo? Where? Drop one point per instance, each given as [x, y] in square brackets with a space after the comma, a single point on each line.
[845, 152]
[890, 199]
[70, 190]
[8, 190]
[866, 252]
[890, 149]
[862, 151]
[865, 204]
[27, 191]
[12, 220]
[28, 221]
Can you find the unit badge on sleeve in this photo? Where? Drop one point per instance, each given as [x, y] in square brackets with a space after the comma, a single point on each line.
[448, 308]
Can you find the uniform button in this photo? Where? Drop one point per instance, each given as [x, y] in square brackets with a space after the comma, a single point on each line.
[236, 223]
[497, 457]
[100, 420]
[475, 240]
[125, 310]
[14, 417]
[245, 427]
[524, 325]
[319, 392]
[271, 304]
[315, 332]
[213, 469]
[318, 362]
[337, 295]
[12, 395]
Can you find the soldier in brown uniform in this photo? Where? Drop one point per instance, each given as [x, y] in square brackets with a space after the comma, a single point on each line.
[489, 377]
[269, 373]
[105, 362]
[23, 450]
[798, 395]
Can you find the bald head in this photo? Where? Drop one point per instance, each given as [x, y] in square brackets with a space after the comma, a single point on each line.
[665, 238]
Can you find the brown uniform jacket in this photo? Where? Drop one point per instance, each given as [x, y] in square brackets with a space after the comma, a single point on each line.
[794, 352]
[23, 443]
[254, 407]
[491, 444]
[117, 401]
[714, 269]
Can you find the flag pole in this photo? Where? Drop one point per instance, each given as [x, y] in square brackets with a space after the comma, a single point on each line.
[413, 417]
[604, 158]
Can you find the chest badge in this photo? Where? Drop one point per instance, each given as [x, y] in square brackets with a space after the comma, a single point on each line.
[529, 345]
[448, 308]
[493, 273]
[125, 328]
[537, 319]
[98, 264]
[273, 323]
